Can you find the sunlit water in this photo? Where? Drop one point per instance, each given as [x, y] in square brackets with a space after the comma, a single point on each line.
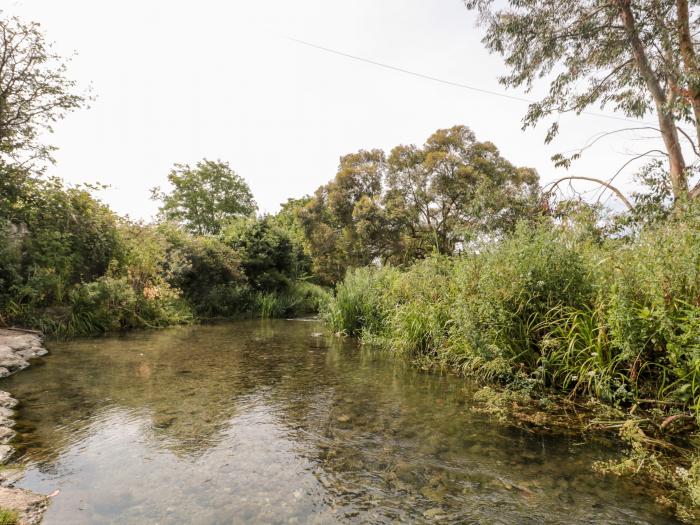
[268, 422]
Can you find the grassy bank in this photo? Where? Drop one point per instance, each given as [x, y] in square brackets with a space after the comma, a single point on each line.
[554, 311]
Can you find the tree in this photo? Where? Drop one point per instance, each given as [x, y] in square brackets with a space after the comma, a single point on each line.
[34, 91]
[455, 187]
[209, 274]
[419, 200]
[288, 219]
[330, 217]
[205, 197]
[638, 56]
[61, 235]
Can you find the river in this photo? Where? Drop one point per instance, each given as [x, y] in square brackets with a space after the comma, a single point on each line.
[278, 422]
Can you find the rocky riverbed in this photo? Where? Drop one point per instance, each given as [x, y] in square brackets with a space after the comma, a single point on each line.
[17, 348]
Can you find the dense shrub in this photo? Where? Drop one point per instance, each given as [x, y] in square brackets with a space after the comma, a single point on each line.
[519, 283]
[266, 253]
[617, 319]
[300, 298]
[69, 266]
[361, 301]
[53, 239]
[209, 274]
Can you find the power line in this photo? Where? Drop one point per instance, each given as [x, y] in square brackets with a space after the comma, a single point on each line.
[444, 81]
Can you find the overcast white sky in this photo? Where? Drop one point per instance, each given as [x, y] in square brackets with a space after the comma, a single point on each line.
[177, 81]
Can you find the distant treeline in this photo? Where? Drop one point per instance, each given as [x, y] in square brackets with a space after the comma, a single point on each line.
[70, 266]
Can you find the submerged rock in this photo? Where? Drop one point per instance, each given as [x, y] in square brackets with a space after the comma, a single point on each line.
[434, 512]
[16, 349]
[6, 452]
[6, 434]
[7, 401]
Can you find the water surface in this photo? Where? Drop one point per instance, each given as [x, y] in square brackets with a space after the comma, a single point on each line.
[270, 422]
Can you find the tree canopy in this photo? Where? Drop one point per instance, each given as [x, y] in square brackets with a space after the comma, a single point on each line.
[205, 196]
[416, 201]
[635, 56]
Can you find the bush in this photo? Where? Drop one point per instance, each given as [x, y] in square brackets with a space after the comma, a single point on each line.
[266, 253]
[519, 284]
[69, 266]
[654, 308]
[299, 299]
[210, 276]
[109, 304]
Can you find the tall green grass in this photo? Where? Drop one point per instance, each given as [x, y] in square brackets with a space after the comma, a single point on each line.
[299, 299]
[617, 319]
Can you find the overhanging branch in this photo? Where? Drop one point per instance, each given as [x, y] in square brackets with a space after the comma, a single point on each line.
[609, 186]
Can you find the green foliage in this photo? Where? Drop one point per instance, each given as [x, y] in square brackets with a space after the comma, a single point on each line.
[545, 308]
[209, 274]
[35, 91]
[205, 197]
[54, 238]
[419, 200]
[8, 517]
[69, 266]
[289, 221]
[111, 304]
[357, 306]
[329, 218]
[455, 188]
[519, 282]
[266, 251]
[298, 300]
[638, 58]
[576, 355]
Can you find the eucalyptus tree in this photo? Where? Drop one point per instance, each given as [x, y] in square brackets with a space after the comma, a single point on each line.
[638, 57]
[416, 201]
[335, 219]
[455, 187]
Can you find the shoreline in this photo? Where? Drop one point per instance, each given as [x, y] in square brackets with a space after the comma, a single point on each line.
[17, 348]
[651, 451]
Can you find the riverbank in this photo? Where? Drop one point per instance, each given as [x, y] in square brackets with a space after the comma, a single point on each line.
[20, 506]
[544, 316]
[657, 449]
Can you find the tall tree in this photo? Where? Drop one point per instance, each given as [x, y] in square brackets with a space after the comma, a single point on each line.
[455, 187]
[204, 197]
[266, 251]
[288, 220]
[34, 91]
[419, 200]
[330, 217]
[637, 56]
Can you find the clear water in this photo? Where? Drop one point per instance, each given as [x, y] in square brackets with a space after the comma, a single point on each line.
[268, 422]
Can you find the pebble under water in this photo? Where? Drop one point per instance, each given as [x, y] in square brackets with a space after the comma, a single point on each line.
[274, 422]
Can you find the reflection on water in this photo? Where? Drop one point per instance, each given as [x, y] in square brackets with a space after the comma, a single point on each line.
[266, 422]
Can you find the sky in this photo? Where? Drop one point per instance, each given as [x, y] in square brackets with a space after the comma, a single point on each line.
[179, 81]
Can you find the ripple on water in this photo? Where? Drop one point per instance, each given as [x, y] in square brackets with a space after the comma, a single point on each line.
[268, 422]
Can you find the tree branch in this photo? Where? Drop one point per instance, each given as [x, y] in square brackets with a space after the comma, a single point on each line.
[609, 186]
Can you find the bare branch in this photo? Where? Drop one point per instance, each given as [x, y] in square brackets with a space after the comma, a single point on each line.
[609, 186]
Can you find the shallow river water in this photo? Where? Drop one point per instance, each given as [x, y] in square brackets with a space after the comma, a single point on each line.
[270, 422]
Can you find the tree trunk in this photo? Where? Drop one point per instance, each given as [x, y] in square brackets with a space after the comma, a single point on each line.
[690, 62]
[667, 125]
